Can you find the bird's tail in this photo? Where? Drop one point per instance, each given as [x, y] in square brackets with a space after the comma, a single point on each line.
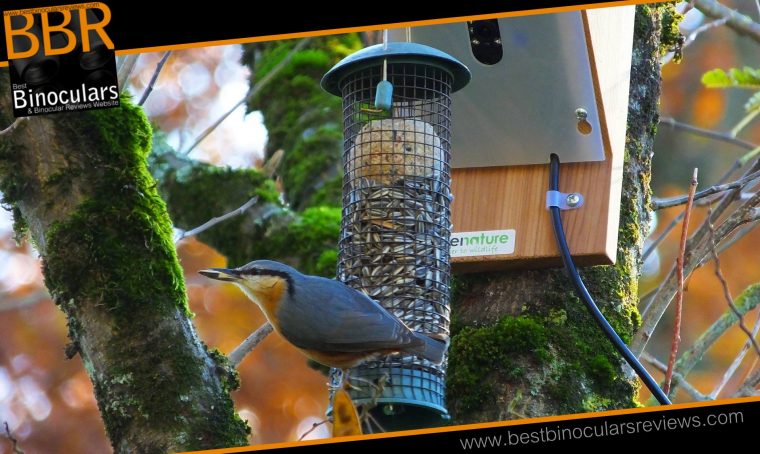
[430, 349]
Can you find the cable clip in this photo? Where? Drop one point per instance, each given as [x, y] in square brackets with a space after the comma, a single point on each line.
[564, 201]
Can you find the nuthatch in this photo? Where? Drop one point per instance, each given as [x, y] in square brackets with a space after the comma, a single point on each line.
[330, 322]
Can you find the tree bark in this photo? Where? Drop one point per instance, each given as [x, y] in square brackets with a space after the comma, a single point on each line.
[79, 182]
[524, 345]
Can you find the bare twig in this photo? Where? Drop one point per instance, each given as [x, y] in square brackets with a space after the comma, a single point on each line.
[698, 249]
[126, 66]
[703, 28]
[739, 163]
[270, 167]
[750, 372]
[680, 200]
[13, 126]
[679, 293]
[313, 428]
[745, 302]
[653, 245]
[746, 120]
[707, 133]
[371, 419]
[738, 22]
[154, 78]
[214, 221]
[736, 362]
[249, 344]
[736, 237]
[260, 85]
[726, 290]
[677, 377]
[749, 386]
[14, 442]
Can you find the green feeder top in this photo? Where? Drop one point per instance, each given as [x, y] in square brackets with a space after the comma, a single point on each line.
[396, 52]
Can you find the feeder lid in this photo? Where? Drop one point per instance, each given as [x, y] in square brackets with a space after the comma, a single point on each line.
[395, 52]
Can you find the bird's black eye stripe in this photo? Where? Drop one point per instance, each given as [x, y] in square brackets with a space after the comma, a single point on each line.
[264, 272]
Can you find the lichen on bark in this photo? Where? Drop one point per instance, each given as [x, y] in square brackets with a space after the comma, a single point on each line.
[575, 369]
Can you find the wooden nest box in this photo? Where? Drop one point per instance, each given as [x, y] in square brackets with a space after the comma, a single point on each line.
[541, 84]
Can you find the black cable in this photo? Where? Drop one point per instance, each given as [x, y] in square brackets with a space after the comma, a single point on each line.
[620, 346]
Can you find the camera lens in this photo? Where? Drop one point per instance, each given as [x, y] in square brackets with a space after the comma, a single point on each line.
[485, 30]
[485, 40]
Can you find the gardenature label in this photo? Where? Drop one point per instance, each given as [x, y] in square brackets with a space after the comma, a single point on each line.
[492, 242]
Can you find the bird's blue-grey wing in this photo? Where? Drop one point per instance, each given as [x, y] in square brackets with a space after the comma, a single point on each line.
[327, 315]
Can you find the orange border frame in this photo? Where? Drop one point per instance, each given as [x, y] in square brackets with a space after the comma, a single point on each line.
[485, 425]
[335, 31]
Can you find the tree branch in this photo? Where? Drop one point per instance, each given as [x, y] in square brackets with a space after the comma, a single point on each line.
[703, 28]
[653, 245]
[746, 301]
[738, 22]
[680, 200]
[697, 250]
[104, 235]
[154, 78]
[126, 66]
[678, 379]
[748, 387]
[679, 291]
[12, 439]
[707, 133]
[196, 192]
[739, 163]
[727, 291]
[214, 221]
[250, 342]
[13, 125]
[736, 362]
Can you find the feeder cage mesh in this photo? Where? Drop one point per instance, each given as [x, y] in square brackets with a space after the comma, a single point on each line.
[394, 243]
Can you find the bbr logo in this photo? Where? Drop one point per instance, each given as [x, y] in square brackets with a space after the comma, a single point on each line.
[22, 34]
[61, 59]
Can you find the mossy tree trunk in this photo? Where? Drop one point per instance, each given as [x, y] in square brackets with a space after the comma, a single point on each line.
[79, 183]
[524, 345]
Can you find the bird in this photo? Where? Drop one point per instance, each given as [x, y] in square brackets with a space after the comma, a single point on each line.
[328, 321]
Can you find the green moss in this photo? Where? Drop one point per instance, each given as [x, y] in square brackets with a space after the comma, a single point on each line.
[579, 369]
[315, 235]
[670, 36]
[226, 370]
[106, 232]
[477, 354]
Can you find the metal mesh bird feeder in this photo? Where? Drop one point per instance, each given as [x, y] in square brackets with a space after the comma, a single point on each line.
[394, 243]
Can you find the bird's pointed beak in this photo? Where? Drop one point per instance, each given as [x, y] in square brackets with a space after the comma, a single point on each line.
[221, 274]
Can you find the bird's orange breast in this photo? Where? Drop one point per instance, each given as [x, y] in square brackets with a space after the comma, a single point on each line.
[269, 295]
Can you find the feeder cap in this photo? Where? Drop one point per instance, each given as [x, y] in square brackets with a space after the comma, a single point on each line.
[396, 52]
